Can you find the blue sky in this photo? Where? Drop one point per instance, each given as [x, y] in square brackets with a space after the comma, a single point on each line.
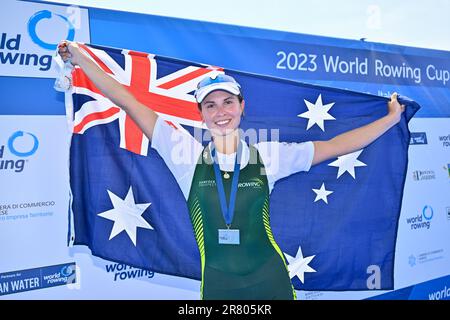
[416, 23]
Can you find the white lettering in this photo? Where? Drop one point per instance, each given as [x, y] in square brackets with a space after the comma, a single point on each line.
[195, 310]
[25, 284]
[4, 287]
[374, 280]
[335, 64]
[438, 74]
[403, 71]
[438, 295]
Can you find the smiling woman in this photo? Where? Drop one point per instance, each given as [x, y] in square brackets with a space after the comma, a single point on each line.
[221, 104]
[228, 185]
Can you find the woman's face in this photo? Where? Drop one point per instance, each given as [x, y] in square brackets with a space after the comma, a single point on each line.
[222, 112]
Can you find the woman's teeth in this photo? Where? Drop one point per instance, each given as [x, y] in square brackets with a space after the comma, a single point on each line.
[223, 122]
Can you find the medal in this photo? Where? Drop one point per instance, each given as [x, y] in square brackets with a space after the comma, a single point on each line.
[226, 175]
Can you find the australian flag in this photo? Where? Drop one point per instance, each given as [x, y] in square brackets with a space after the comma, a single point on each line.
[336, 224]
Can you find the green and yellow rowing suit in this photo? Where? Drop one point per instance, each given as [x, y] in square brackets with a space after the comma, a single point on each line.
[255, 268]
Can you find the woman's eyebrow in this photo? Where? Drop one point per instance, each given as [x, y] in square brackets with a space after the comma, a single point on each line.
[229, 97]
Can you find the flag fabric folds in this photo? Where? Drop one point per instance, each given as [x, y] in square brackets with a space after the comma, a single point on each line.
[336, 224]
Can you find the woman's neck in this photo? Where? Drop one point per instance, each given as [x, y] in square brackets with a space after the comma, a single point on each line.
[227, 144]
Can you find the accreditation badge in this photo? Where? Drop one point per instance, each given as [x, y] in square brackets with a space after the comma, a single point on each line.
[229, 236]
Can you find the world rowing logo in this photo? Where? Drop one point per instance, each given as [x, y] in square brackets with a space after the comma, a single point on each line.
[45, 14]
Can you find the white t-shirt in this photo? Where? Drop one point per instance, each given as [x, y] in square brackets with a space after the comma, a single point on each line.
[180, 151]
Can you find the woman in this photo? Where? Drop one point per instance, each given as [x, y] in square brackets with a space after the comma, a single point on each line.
[228, 184]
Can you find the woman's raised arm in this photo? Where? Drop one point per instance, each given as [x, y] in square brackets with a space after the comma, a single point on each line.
[359, 138]
[142, 115]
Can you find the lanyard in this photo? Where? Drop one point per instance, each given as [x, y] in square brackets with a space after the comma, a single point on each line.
[227, 212]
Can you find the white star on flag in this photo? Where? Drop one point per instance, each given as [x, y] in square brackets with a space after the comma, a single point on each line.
[322, 193]
[347, 163]
[298, 266]
[317, 113]
[127, 215]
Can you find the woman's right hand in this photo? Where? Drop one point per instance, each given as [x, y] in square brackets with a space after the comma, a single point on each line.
[142, 115]
[69, 50]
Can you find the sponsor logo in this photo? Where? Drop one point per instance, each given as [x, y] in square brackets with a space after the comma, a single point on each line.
[10, 54]
[443, 294]
[27, 153]
[445, 140]
[425, 257]
[421, 221]
[314, 295]
[29, 38]
[206, 183]
[427, 212]
[44, 15]
[37, 278]
[418, 138]
[20, 145]
[60, 277]
[123, 272]
[7, 210]
[420, 175]
[252, 183]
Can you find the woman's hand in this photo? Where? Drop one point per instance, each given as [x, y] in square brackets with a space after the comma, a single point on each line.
[395, 109]
[69, 50]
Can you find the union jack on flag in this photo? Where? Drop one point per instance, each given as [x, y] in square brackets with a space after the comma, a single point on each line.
[167, 94]
[336, 224]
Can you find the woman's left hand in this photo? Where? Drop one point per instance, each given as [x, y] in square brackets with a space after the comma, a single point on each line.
[395, 109]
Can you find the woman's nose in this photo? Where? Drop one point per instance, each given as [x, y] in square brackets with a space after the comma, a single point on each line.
[220, 110]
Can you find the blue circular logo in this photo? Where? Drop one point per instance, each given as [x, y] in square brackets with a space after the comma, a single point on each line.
[67, 271]
[19, 134]
[427, 212]
[45, 14]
